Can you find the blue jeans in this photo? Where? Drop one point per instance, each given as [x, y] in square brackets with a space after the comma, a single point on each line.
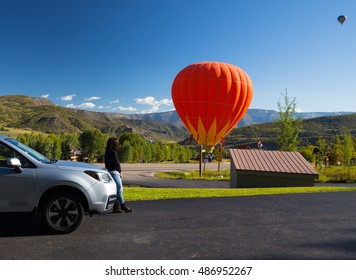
[120, 189]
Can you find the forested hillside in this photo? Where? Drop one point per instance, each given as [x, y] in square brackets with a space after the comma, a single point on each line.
[312, 130]
[41, 115]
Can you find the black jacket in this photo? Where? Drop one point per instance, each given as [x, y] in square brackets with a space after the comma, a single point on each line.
[112, 161]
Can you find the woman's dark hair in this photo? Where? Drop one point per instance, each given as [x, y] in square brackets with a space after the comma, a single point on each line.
[112, 144]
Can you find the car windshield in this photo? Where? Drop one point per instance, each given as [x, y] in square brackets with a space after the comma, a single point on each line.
[36, 155]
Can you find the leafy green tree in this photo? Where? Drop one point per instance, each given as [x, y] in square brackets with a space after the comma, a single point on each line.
[307, 153]
[137, 151]
[133, 138]
[182, 155]
[70, 143]
[147, 152]
[190, 153]
[92, 143]
[323, 151]
[354, 155]
[158, 152]
[288, 125]
[136, 143]
[44, 145]
[125, 152]
[166, 151]
[55, 146]
[173, 151]
[336, 153]
[347, 146]
[24, 138]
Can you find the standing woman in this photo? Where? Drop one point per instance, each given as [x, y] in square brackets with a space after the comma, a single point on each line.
[112, 164]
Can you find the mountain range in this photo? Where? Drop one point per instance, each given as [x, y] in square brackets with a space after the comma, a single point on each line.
[253, 116]
[40, 114]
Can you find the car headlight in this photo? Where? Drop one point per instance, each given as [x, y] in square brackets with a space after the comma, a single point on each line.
[100, 176]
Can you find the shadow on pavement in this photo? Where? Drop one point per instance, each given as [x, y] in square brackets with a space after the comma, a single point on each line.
[12, 225]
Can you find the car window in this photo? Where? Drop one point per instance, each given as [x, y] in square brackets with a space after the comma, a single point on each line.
[6, 152]
[31, 152]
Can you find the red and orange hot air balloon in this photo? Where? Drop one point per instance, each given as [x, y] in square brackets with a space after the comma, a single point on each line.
[211, 98]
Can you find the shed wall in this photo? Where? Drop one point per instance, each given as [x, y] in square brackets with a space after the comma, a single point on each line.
[264, 180]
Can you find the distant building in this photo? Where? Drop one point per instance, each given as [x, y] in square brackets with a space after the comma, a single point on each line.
[75, 154]
[263, 168]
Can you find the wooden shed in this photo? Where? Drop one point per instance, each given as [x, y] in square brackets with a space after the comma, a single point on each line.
[263, 168]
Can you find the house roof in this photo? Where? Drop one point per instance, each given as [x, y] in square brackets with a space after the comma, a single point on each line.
[271, 161]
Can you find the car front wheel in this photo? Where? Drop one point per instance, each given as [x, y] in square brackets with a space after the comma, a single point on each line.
[63, 212]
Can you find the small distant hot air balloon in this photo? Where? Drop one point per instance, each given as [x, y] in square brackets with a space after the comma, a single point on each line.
[341, 19]
[210, 99]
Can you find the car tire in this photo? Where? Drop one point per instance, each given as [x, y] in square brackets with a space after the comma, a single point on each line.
[63, 212]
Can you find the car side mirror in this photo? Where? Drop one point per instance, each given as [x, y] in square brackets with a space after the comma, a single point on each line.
[14, 163]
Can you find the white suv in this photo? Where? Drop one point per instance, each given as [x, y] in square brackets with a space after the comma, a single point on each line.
[61, 191]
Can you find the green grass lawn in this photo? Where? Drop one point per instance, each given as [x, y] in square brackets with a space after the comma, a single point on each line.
[334, 174]
[211, 175]
[134, 193]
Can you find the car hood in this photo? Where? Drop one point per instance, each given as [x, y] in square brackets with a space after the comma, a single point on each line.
[74, 165]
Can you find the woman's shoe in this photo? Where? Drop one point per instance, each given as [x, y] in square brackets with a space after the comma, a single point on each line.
[126, 208]
[117, 208]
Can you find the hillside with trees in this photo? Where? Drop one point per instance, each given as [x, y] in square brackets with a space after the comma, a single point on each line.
[312, 130]
[149, 136]
[90, 145]
[39, 114]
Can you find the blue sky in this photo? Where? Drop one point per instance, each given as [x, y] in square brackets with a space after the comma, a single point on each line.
[122, 55]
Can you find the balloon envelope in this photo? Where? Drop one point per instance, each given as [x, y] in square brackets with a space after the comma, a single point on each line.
[211, 98]
[341, 19]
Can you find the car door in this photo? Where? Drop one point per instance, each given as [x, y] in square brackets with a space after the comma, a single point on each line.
[16, 189]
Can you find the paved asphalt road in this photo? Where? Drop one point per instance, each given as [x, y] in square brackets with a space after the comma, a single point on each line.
[303, 226]
[143, 175]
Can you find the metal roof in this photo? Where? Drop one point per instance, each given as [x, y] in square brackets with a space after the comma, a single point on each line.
[271, 161]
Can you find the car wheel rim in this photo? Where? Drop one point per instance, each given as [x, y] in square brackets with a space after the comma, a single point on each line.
[63, 213]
